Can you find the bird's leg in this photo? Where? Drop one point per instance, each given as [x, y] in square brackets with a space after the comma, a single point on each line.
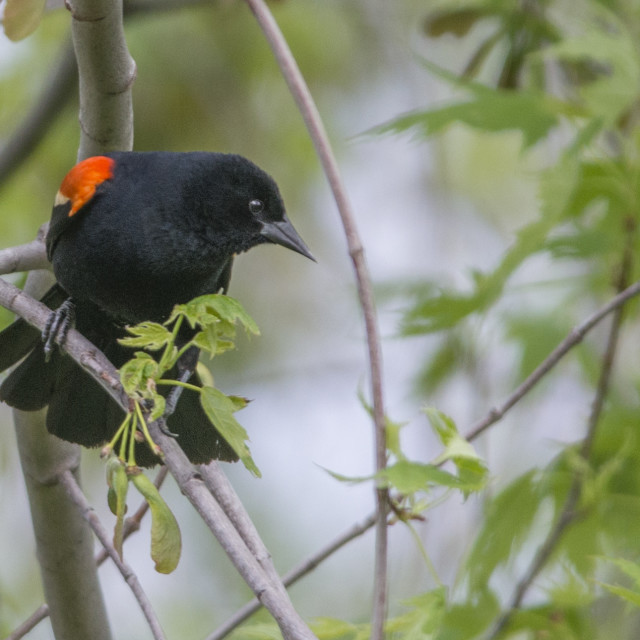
[186, 365]
[58, 324]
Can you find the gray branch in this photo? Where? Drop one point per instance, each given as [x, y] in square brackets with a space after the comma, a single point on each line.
[307, 107]
[74, 492]
[64, 542]
[106, 75]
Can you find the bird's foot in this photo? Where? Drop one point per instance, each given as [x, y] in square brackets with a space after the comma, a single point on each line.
[57, 327]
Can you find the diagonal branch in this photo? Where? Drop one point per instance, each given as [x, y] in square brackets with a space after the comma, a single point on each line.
[301, 570]
[270, 592]
[75, 493]
[313, 121]
[268, 588]
[570, 510]
[575, 337]
[131, 525]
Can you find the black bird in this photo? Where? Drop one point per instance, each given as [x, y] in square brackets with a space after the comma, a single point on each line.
[132, 235]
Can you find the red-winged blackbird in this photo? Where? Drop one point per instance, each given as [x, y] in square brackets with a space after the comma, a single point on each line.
[132, 235]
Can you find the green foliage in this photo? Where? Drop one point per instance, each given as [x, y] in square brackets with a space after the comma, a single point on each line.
[532, 113]
[216, 317]
[166, 542]
[588, 212]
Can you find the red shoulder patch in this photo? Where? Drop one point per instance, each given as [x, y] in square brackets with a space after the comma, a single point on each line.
[80, 183]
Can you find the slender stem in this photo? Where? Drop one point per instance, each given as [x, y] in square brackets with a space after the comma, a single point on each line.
[313, 121]
[179, 383]
[574, 338]
[75, 493]
[30, 623]
[299, 571]
[131, 525]
[167, 350]
[272, 595]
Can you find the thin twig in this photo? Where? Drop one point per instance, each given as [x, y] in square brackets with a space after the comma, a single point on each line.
[271, 593]
[313, 121]
[131, 525]
[226, 496]
[75, 493]
[570, 511]
[299, 571]
[30, 623]
[574, 338]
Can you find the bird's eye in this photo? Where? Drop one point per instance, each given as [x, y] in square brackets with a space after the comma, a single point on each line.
[256, 207]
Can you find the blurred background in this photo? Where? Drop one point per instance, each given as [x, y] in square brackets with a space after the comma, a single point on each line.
[427, 212]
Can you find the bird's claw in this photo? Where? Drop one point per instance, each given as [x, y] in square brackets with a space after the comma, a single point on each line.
[58, 324]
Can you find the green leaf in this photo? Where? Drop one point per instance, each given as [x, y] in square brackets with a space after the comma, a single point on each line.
[147, 335]
[449, 358]
[456, 21]
[536, 336]
[22, 17]
[166, 541]
[348, 479]
[220, 409]
[492, 110]
[207, 339]
[629, 568]
[613, 50]
[117, 497]
[409, 477]
[456, 447]
[444, 311]
[326, 628]
[506, 525]
[469, 619]
[213, 308]
[393, 429]
[136, 374]
[626, 594]
[424, 618]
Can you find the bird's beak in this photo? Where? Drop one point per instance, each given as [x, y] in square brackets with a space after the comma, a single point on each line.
[284, 234]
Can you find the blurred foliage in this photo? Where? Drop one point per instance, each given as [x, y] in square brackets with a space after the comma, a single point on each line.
[574, 87]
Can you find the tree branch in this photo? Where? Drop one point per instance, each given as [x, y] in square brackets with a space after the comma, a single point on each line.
[106, 72]
[301, 570]
[268, 589]
[570, 511]
[64, 542]
[317, 132]
[74, 492]
[270, 592]
[131, 525]
[574, 338]
[25, 257]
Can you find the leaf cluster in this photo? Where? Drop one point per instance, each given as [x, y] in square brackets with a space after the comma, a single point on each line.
[214, 320]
